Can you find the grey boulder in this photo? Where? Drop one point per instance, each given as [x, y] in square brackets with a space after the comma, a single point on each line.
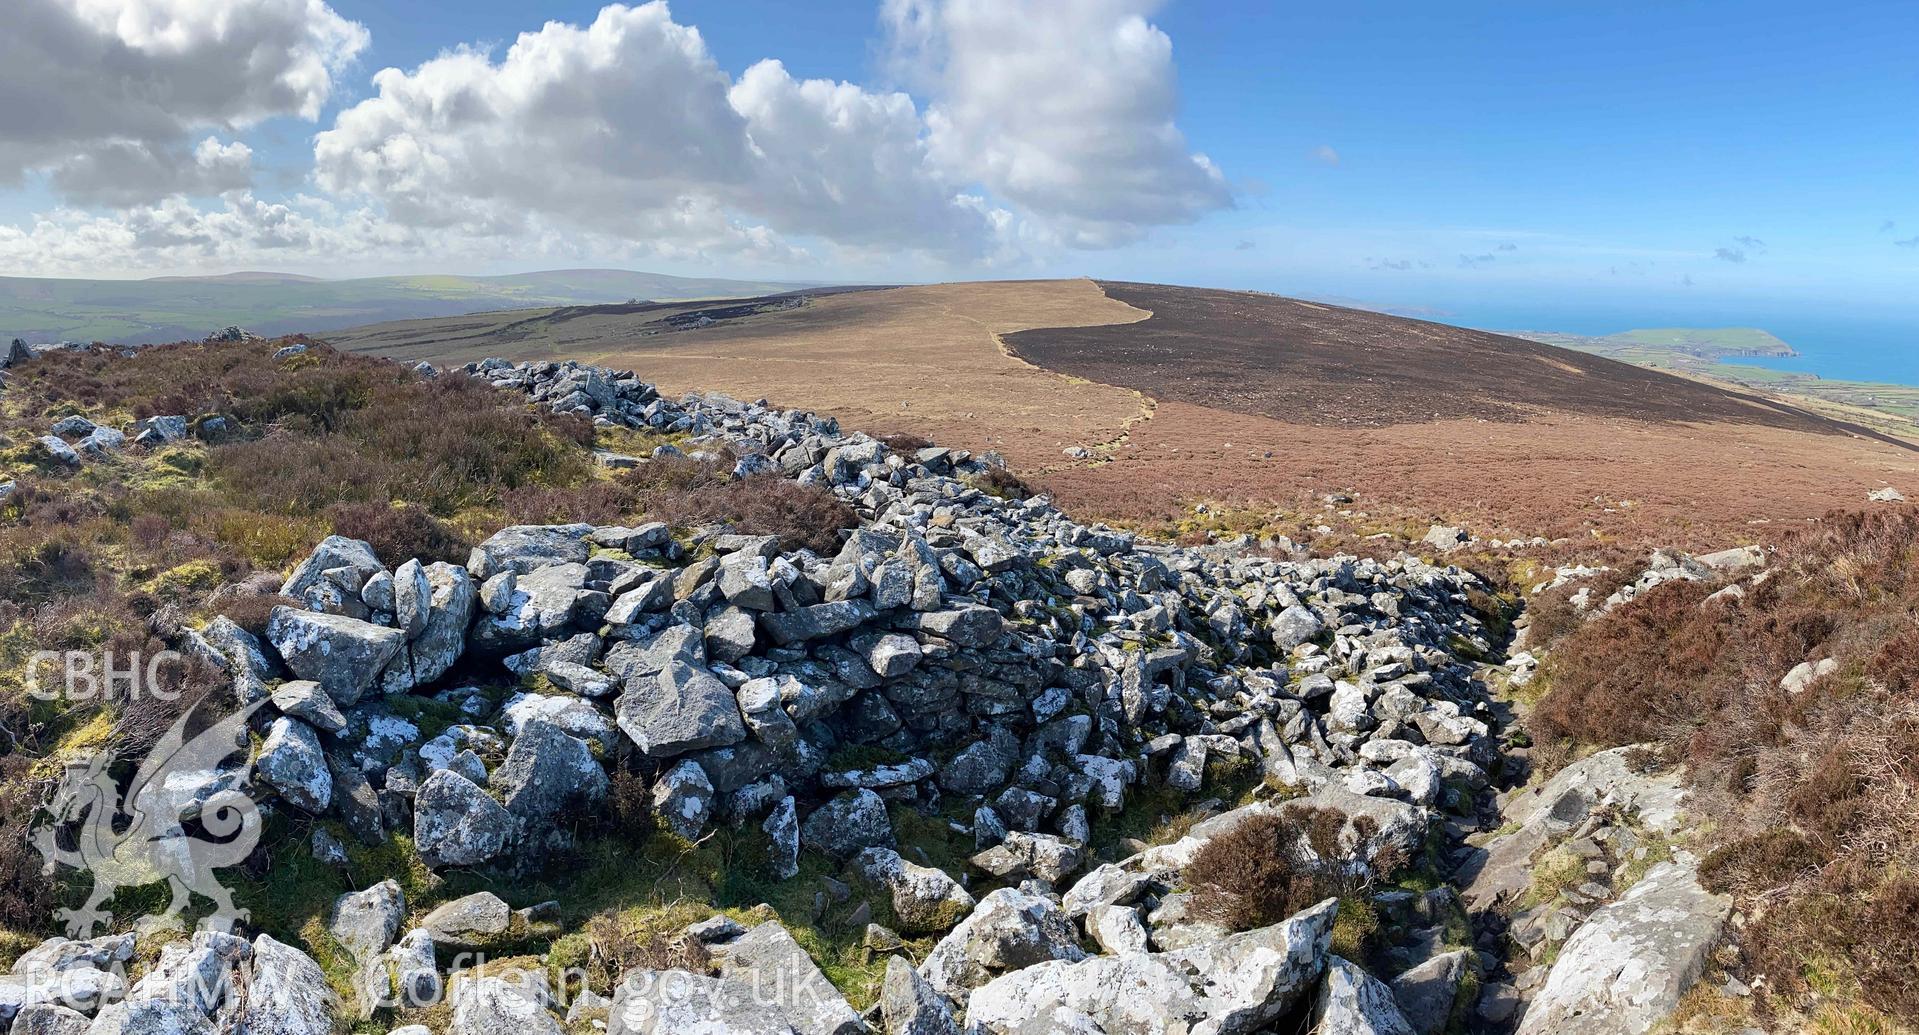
[455, 823]
[344, 655]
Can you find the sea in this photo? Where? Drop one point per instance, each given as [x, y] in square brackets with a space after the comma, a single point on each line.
[1881, 347]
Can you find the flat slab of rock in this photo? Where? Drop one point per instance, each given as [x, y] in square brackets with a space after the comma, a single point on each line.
[682, 708]
[1504, 871]
[1627, 966]
[768, 960]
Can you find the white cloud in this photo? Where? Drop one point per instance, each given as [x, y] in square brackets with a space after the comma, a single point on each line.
[123, 173]
[314, 234]
[1065, 108]
[619, 139]
[628, 124]
[108, 93]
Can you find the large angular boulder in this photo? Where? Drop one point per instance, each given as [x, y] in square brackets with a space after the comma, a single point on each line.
[681, 708]
[1237, 985]
[546, 771]
[522, 549]
[293, 764]
[816, 621]
[344, 655]
[924, 898]
[510, 1003]
[1626, 968]
[455, 823]
[909, 1005]
[675, 1002]
[848, 824]
[767, 959]
[286, 993]
[1351, 1000]
[470, 922]
[543, 605]
[365, 922]
[1010, 930]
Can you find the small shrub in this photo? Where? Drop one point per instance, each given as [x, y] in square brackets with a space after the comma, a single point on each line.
[905, 442]
[26, 893]
[1269, 867]
[399, 533]
[686, 492]
[619, 942]
[998, 481]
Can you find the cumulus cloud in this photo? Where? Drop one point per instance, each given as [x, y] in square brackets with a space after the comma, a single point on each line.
[1910, 242]
[628, 124]
[1063, 108]
[1038, 126]
[1733, 255]
[1325, 154]
[1394, 265]
[108, 94]
[123, 173]
[1473, 262]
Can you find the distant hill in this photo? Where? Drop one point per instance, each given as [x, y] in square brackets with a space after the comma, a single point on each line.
[173, 308]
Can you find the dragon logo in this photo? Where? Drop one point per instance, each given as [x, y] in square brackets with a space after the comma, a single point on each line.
[180, 818]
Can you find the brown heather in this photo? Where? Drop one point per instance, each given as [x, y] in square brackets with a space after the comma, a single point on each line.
[1816, 794]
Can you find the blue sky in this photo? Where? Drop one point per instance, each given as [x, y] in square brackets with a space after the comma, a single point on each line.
[1467, 157]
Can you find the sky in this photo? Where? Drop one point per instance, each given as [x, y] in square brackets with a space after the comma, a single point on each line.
[1751, 157]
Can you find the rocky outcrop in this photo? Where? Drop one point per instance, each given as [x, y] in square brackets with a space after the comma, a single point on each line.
[1236, 985]
[1625, 969]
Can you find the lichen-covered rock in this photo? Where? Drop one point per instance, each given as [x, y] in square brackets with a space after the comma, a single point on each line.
[447, 611]
[365, 922]
[848, 824]
[470, 922]
[521, 549]
[910, 1006]
[767, 959]
[510, 1003]
[1626, 968]
[344, 655]
[286, 993]
[455, 823]
[681, 708]
[683, 799]
[1351, 1000]
[292, 762]
[1235, 986]
[924, 898]
[546, 771]
[1008, 931]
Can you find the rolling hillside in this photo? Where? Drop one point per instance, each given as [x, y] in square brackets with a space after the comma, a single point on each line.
[1137, 401]
[174, 308]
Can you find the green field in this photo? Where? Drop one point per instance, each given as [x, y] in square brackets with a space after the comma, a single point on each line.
[176, 308]
[1712, 353]
[1670, 347]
